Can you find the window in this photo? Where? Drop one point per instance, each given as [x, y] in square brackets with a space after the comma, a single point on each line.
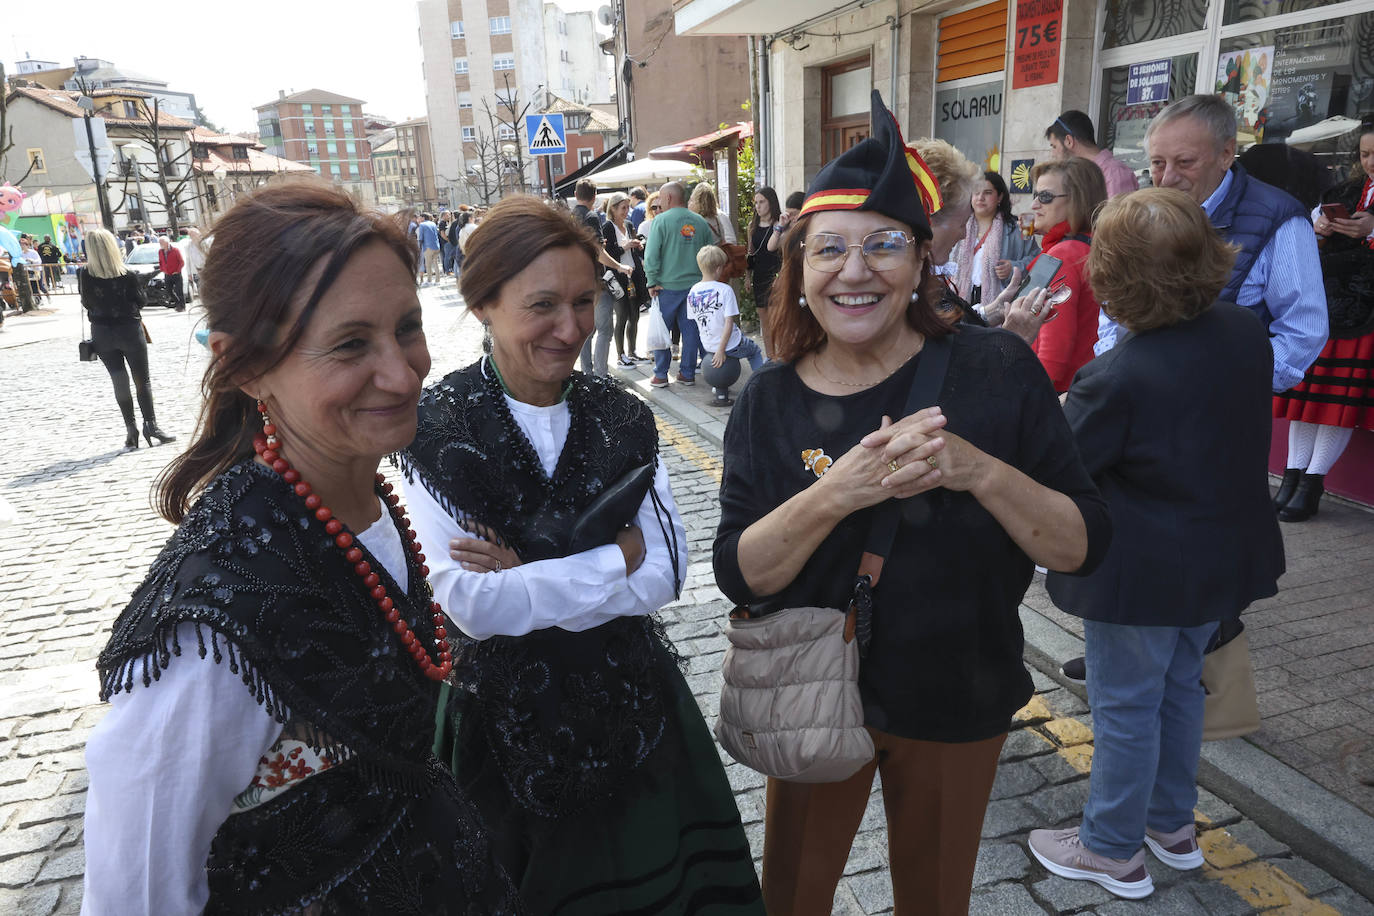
[240, 152]
[455, 29]
[584, 155]
[210, 198]
[326, 109]
[845, 89]
[460, 65]
[352, 148]
[348, 128]
[464, 100]
[200, 151]
[307, 109]
[469, 134]
[334, 169]
[972, 43]
[131, 110]
[329, 128]
[309, 127]
[505, 132]
[344, 109]
[500, 25]
[503, 62]
[312, 149]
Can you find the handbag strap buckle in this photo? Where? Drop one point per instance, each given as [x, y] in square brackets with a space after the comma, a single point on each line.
[859, 618]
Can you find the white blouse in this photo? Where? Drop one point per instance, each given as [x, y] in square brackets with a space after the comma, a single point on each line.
[576, 592]
[165, 765]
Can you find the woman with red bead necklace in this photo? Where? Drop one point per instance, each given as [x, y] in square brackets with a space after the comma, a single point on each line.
[569, 722]
[274, 681]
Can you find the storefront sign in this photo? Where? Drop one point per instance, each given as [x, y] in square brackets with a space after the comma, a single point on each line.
[1243, 79]
[970, 118]
[1148, 82]
[1300, 92]
[1021, 176]
[1038, 27]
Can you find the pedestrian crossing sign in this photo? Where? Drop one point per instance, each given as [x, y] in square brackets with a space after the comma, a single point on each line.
[544, 135]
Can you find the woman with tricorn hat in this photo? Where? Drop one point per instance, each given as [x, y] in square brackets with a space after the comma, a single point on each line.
[983, 484]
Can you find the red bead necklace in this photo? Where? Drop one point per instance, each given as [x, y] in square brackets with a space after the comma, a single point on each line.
[268, 448]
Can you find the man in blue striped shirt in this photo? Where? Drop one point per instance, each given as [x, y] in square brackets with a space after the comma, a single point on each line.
[1192, 148]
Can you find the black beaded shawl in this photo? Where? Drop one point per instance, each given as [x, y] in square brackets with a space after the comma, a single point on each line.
[1348, 271]
[565, 715]
[268, 592]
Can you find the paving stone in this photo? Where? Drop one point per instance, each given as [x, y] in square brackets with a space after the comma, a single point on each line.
[1346, 902]
[1249, 834]
[1175, 901]
[999, 862]
[873, 891]
[1008, 816]
[31, 901]
[1215, 898]
[69, 864]
[1014, 779]
[1057, 805]
[17, 842]
[1055, 768]
[1025, 742]
[1218, 812]
[1004, 900]
[1063, 895]
[20, 870]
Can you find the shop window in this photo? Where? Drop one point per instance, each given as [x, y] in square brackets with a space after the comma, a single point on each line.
[1247, 10]
[1121, 126]
[1127, 22]
[1283, 81]
[974, 42]
[845, 89]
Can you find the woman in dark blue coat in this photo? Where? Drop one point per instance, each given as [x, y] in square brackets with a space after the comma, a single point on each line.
[1173, 424]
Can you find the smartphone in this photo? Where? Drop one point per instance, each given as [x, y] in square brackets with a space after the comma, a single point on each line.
[1335, 211]
[1041, 275]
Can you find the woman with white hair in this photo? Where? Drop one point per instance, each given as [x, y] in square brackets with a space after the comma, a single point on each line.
[113, 299]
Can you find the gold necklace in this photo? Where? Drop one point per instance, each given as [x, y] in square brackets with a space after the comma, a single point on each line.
[816, 361]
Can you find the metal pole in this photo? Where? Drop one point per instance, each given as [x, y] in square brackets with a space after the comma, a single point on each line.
[105, 216]
[548, 176]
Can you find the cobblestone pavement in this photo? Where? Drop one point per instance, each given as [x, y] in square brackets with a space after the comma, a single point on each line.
[85, 533]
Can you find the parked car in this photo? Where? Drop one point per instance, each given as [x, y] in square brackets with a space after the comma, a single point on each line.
[143, 261]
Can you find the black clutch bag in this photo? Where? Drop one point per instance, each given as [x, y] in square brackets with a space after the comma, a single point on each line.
[615, 508]
[86, 351]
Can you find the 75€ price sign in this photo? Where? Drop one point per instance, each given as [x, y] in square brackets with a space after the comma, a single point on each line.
[1036, 58]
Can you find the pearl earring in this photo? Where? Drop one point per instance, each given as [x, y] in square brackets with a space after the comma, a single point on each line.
[802, 302]
[915, 295]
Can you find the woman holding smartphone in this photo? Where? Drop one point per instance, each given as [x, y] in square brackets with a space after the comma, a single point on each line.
[1066, 194]
[1336, 396]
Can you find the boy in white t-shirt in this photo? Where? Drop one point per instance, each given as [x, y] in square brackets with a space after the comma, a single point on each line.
[712, 305]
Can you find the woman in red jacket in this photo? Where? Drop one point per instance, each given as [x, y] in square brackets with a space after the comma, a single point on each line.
[1066, 194]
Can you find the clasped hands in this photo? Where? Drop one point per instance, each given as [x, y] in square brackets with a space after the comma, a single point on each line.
[865, 475]
[1357, 227]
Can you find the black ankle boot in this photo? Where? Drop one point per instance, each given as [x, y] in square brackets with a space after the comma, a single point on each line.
[151, 432]
[131, 437]
[1291, 476]
[1305, 499]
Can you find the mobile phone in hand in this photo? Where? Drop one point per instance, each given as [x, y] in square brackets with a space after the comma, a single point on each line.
[1335, 211]
[1041, 274]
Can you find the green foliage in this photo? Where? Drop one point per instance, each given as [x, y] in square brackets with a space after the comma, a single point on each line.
[744, 179]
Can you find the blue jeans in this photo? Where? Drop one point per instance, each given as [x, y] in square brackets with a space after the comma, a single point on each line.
[1144, 685]
[448, 249]
[746, 349]
[673, 304]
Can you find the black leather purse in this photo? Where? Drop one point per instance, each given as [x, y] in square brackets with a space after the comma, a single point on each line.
[615, 508]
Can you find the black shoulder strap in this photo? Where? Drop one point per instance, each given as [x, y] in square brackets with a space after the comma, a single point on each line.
[925, 391]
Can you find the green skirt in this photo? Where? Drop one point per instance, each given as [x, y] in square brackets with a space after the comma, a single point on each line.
[670, 841]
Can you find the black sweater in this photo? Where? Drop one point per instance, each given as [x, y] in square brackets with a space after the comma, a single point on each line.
[112, 300]
[945, 662]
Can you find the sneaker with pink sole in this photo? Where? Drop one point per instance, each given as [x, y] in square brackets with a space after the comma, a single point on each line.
[1178, 849]
[1061, 852]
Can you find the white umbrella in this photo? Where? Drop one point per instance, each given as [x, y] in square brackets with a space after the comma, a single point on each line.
[1322, 130]
[642, 171]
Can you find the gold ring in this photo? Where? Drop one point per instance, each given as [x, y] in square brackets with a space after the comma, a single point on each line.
[930, 460]
[893, 466]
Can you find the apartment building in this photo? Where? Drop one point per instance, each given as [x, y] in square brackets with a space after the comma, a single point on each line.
[415, 165]
[576, 67]
[323, 130]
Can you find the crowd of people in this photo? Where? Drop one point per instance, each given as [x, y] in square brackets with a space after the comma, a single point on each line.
[310, 713]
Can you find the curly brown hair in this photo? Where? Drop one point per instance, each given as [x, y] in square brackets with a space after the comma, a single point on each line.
[1155, 259]
[794, 332]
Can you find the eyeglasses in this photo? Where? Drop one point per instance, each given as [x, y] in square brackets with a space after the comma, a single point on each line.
[886, 250]
[1045, 197]
[655, 208]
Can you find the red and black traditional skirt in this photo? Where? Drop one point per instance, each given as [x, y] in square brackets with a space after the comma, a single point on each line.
[1339, 388]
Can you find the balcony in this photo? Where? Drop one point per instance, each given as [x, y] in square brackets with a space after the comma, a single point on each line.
[747, 17]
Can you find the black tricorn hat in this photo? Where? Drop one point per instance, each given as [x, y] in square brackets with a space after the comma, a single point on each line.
[879, 173]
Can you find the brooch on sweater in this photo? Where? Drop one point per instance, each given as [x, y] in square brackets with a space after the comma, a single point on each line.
[816, 461]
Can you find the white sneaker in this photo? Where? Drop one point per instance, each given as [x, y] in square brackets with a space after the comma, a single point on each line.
[1061, 852]
[1178, 849]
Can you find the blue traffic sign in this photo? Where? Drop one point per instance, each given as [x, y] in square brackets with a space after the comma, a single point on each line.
[544, 135]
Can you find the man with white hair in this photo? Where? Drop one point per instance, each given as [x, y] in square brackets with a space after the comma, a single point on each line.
[1192, 148]
[170, 262]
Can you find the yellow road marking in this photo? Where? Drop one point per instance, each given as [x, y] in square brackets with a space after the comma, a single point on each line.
[688, 449]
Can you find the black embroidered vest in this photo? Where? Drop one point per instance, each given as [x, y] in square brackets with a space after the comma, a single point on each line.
[565, 715]
[387, 830]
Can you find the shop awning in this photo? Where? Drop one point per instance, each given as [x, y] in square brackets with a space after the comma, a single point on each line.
[701, 150]
[1329, 129]
[749, 17]
[563, 187]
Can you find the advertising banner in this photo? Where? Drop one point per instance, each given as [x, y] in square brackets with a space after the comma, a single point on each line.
[1148, 82]
[1039, 24]
[970, 118]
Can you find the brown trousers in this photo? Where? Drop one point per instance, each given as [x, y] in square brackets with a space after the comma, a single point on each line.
[935, 795]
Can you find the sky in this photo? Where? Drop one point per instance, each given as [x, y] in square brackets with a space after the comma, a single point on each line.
[236, 55]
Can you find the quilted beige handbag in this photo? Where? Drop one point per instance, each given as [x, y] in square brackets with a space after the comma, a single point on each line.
[790, 708]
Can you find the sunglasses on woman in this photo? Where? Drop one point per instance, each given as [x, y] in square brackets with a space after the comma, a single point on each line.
[886, 250]
[1046, 197]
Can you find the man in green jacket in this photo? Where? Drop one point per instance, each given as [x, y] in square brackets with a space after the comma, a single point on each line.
[670, 264]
